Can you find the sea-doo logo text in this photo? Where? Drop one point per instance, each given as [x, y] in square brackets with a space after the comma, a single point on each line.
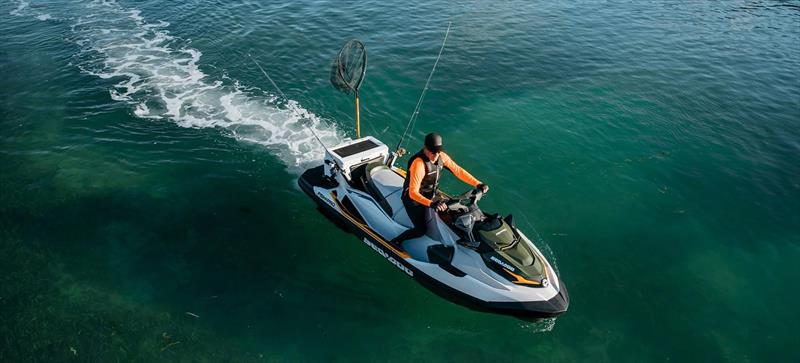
[502, 263]
[390, 258]
[330, 203]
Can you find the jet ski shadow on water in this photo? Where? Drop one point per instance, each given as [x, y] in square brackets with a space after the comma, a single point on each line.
[479, 260]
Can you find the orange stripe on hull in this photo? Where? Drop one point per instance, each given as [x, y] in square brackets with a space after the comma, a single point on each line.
[521, 280]
[367, 229]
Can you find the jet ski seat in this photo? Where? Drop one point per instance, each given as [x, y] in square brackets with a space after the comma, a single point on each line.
[372, 187]
[386, 187]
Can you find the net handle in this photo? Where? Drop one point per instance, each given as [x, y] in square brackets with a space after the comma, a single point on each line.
[358, 117]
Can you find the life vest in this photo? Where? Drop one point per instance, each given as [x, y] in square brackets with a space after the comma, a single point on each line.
[430, 183]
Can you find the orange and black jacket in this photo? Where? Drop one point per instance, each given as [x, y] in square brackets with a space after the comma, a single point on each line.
[423, 171]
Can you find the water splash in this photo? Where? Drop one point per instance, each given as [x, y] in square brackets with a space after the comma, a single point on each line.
[541, 326]
[24, 8]
[158, 75]
[21, 6]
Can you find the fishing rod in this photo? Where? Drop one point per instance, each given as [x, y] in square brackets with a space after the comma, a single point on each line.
[286, 98]
[415, 114]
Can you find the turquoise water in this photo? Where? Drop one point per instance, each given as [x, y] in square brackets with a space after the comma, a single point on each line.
[149, 209]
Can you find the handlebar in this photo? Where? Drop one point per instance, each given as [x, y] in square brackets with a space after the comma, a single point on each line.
[471, 196]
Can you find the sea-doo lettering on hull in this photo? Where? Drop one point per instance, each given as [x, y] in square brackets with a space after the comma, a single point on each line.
[502, 263]
[389, 257]
[322, 197]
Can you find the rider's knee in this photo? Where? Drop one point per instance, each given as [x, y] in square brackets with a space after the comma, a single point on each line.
[420, 230]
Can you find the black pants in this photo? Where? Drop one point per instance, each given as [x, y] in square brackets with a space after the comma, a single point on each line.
[416, 212]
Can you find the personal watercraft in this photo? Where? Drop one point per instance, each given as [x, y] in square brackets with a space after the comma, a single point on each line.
[479, 260]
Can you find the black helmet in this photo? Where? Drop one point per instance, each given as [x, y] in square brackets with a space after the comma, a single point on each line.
[433, 142]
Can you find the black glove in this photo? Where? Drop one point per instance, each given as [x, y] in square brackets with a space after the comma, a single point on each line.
[483, 187]
[435, 205]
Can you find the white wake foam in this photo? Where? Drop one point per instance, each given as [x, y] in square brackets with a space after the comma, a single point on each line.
[24, 8]
[21, 6]
[158, 75]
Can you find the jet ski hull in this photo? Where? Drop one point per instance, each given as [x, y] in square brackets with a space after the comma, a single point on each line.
[526, 310]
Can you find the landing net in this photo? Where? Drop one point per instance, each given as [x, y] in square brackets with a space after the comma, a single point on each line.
[349, 67]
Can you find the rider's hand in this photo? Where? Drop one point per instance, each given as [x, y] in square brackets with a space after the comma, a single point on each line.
[439, 206]
[483, 187]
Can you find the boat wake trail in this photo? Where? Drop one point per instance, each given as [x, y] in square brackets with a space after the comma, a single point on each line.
[158, 76]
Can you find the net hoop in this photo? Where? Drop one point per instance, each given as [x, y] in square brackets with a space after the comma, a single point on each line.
[349, 67]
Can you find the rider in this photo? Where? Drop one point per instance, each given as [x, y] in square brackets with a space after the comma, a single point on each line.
[422, 183]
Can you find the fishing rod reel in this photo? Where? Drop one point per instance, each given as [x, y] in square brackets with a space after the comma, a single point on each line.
[397, 154]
